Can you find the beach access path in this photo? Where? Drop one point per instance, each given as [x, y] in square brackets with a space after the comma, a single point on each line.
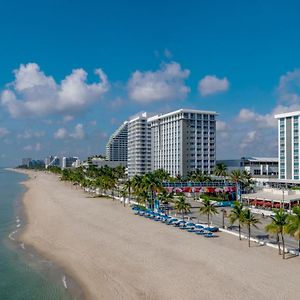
[114, 254]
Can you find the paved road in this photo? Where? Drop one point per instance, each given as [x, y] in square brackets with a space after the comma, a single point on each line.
[258, 233]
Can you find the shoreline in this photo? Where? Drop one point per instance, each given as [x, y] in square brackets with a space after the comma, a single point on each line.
[75, 290]
[114, 254]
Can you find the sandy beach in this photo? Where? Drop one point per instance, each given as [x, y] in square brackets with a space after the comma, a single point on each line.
[114, 254]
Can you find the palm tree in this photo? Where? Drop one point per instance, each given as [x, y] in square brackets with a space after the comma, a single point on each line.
[293, 225]
[237, 214]
[152, 185]
[221, 170]
[182, 207]
[127, 187]
[208, 209]
[249, 220]
[161, 174]
[278, 226]
[236, 176]
[246, 179]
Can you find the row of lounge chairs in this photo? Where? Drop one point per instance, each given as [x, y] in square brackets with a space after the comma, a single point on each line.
[198, 229]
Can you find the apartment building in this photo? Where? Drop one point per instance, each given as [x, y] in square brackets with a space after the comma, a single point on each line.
[139, 145]
[183, 141]
[116, 148]
[288, 145]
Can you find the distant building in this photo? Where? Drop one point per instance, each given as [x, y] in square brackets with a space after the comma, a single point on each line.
[100, 162]
[183, 141]
[26, 162]
[48, 160]
[67, 162]
[53, 161]
[288, 145]
[116, 148]
[139, 145]
[256, 166]
[37, 163]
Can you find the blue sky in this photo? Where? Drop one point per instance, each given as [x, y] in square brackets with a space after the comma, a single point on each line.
[238, 58]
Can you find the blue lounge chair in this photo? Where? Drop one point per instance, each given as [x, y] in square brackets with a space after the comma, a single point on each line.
[209, 235]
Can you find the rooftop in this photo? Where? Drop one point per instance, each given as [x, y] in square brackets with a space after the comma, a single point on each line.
[287, 114]
[182, 110]
[261, 159]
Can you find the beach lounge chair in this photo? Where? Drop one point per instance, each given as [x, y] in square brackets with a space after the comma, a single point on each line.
[209, 235]
[171, 221]
[200, 232]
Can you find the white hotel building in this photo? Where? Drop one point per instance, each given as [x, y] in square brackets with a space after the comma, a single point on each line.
[288, 145]
[116, 148]
[139, 145]
[183, 141]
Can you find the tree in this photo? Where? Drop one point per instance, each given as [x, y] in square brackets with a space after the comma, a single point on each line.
[293, 225]
[278, 226]
[161, 175]
[236, 176]
[164, 197]
[237, 215]
[127, 187]
[220, 170]
[182, 207]
[249, 220]
[151, 184]
[198, 176]
[208, 209]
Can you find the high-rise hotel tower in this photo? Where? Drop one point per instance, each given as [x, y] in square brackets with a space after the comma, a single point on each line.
[116, 147]
[139, 145]
[183, 141]
[288, 145]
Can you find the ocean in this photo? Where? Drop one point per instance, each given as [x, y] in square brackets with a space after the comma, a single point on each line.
[24, 274]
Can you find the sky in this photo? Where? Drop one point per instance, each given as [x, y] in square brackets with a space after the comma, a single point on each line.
[72, 71]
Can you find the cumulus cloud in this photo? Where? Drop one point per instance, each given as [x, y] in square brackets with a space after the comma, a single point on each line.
[221, 125]
[250, 137]
[61, 133]
[28, 134]
[68, 118]
[77, 134]
[3, 132]
[167, 83]
[289, 87]
[211, 84]
[36, 147]
[33, 93]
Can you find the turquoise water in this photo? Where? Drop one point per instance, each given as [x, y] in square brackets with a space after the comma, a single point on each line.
[23, 274]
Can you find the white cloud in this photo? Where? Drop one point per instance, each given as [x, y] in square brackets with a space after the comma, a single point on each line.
[28, 134]
[250, 137]
[61, 133]
[210, 85]
[221, 125]
[167, 83]
[36, 147]
[33, 93]
[77, 134]
[3, 132]
[264, 120]
[117, 103]
[289, 87]
[68, 118]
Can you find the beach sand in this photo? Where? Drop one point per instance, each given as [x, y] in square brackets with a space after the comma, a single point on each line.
[114, 254]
